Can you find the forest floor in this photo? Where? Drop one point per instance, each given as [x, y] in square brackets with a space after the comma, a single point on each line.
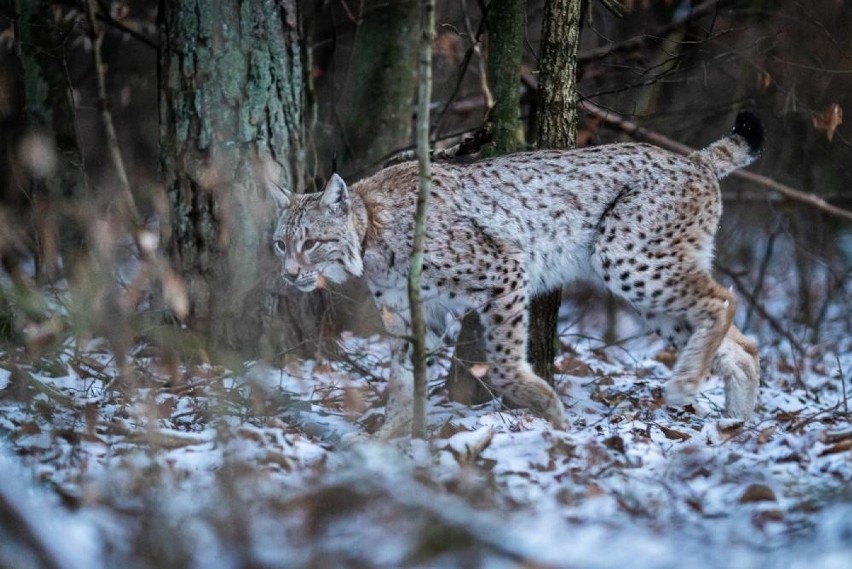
[194, 465]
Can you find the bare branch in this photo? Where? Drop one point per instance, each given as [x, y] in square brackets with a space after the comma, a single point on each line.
[758, 307]
[638, 41]
[634, 130]
[97, 36]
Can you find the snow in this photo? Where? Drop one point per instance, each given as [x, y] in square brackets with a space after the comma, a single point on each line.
[228, 468]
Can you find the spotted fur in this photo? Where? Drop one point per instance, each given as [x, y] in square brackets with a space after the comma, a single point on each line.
[502, 230]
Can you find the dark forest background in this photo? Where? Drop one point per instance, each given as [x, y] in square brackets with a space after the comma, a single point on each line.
[141, 309]
[75, 200]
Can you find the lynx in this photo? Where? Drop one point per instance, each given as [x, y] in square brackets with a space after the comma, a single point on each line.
[502, 230]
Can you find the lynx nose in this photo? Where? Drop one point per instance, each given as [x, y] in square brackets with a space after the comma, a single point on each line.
[291, 270]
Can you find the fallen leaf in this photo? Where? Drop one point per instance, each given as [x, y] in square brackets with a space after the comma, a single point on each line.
[764, 80]
[828, 119]
[478, 370]
[388, 316]
[766, 435]
[829, 437]
[174, 292]
[758, 493]
[667, 357]
[574, 366]
[842, 446]
[449, 429]
[760, 519]
[673, 434]
[467, 446]
[615, 443]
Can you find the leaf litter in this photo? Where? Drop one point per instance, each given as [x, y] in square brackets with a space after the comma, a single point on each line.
[201, 466]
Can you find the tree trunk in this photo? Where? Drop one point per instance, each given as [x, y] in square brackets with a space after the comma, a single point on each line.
[557, 128]
[49, 116]
[505, 47]
[231, 116]
[376, 100]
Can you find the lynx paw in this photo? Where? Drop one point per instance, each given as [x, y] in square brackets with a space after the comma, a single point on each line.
[680, 391]
[536, 394]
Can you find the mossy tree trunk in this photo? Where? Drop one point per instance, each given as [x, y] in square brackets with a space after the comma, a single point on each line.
[505, 47]
[376, 100]
[557, 128]
[232, 105]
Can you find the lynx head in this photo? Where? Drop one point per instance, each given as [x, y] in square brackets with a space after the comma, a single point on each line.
[316, 238]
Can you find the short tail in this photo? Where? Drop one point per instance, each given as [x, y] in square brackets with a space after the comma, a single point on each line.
[739, 149]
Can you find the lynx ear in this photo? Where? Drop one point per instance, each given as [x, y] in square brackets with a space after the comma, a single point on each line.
[281, 196]
[335, 196]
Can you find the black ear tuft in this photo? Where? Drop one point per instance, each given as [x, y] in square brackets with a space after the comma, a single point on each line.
[748, 126]
[334, 163]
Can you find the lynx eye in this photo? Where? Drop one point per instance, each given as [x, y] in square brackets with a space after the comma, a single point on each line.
[279, 246]
[309, 244]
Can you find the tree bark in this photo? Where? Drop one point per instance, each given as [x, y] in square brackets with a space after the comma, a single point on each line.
[557, 128]
[376, 100]
[232, 105]
[505, 47]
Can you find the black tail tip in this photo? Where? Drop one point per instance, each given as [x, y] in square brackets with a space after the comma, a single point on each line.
[748, 126]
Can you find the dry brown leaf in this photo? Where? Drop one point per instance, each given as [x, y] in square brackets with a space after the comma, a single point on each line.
[174, 293]
[478, 370]
[667, 357]
[574, 366]
[388, 316]
[760, 519]
[828, 119]
[615, 443]
[764, 80]
[449, 429]
[758, 493]
[829, 437]
[842, 446]
[673, 434]
[766, 435]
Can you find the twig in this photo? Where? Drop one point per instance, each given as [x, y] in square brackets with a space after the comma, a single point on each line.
[97, 36]
[474, 49]
[418, 323]
[761, 274]
[634, 130]
[813, 417]
[755, 304]
[639, 41]
[105, 17]
[843, 386]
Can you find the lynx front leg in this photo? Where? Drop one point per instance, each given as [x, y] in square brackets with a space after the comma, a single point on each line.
[506, 346]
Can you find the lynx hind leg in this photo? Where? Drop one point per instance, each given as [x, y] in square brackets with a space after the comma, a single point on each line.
[505, 314]
[708, 308]
[668, 281]
[738, 364]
